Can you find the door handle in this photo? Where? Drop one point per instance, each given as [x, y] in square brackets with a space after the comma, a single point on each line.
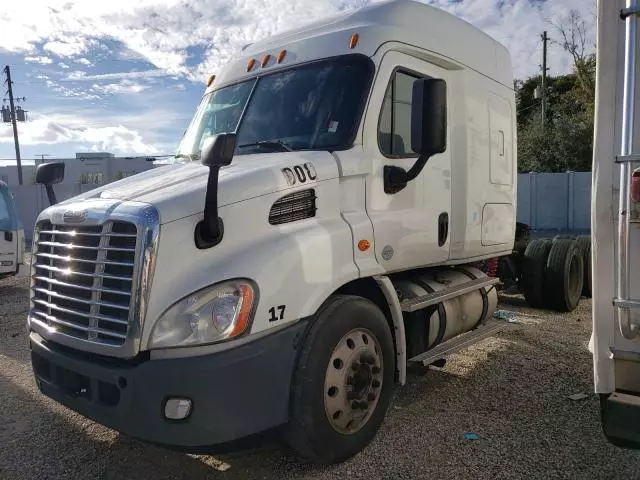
[8, 236]
[443, 228]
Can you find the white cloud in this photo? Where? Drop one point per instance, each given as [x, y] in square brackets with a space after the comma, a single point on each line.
[63, 91]
[63, 65]
[160, 31]
[118, 88]
[40, 60]
[70, 46]
[75, 75]
[84, 61]
[70, 129]
[78, 75]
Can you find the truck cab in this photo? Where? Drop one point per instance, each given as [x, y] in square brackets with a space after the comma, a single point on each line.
[12, 241]
[322, 227]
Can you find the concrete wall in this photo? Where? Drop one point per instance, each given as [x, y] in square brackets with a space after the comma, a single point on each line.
[96, 169]
[555, 201]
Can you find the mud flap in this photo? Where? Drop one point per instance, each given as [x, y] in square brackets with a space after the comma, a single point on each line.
[620, 417]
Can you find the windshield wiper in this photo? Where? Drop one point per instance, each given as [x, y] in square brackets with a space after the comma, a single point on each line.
[269, 144]
[190, 156]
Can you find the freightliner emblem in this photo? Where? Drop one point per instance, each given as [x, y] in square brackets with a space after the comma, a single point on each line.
[74, 216]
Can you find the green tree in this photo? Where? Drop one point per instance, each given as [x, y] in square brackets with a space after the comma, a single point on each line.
[565, 140]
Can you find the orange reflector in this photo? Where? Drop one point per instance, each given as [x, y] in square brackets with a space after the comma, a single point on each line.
[281, 56]
[245, 311]
[210, 80]
[354, 40]
[265, 60]
[363, 245]
[251, 64]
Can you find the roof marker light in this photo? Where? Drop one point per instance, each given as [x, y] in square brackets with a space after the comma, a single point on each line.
[210, 80]
[265, 60]
[281, 56]
[251, 64]
[354, 40]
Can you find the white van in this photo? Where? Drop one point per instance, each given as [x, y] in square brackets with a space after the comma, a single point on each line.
[11, 234]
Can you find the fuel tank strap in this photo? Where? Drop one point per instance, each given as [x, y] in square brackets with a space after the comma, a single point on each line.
[442, 316]
[485, 297]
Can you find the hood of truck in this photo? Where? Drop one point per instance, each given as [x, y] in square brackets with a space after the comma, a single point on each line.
[178, 190]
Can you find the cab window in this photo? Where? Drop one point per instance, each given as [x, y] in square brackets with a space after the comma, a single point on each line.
[394, 130]
[6, 220]
[4, 209]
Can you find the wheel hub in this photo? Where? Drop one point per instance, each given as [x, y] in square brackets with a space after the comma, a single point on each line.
[353, 381]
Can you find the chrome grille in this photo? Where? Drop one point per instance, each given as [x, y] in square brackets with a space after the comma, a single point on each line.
[83, 279]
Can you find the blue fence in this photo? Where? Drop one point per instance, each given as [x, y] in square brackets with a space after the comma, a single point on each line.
[555, 201]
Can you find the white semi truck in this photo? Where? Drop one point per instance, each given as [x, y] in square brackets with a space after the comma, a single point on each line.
[615, 223]
[12, 241]
[340, 209]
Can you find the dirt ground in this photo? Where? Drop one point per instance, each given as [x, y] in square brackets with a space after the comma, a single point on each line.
[510, 390]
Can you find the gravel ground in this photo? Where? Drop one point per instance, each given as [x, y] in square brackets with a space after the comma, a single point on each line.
[510, 390]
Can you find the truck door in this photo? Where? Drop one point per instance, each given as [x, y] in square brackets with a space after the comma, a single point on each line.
[411, 227]
[8, 234]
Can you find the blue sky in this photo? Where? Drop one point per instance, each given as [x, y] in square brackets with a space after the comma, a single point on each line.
[125, 77]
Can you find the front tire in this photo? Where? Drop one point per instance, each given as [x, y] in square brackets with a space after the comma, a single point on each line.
[343, 381]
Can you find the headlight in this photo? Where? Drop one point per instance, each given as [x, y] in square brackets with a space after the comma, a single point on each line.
[216, 313]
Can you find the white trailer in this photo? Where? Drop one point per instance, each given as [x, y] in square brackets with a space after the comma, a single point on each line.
[615, 222]
[12, 241]
[335, 215]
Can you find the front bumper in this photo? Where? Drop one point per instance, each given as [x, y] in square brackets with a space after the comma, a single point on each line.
[235, 393]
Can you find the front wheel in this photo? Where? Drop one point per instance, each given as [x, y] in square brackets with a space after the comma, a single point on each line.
[343, 381]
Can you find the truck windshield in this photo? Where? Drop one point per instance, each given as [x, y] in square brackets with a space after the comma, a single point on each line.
[315, 106]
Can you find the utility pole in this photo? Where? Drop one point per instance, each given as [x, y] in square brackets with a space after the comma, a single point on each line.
[543, 83]
[7, 72]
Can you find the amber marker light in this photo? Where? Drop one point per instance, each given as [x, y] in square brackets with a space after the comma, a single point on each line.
[363, 245]
[354, 40]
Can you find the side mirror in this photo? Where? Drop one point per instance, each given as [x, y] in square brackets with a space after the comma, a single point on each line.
[428, 131]
[429, 116]
[217, 151]
[49, 174]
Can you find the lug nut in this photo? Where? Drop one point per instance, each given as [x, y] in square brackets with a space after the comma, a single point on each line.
[351, 396]
[375, 383]
[368, 358]
[350, 381]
